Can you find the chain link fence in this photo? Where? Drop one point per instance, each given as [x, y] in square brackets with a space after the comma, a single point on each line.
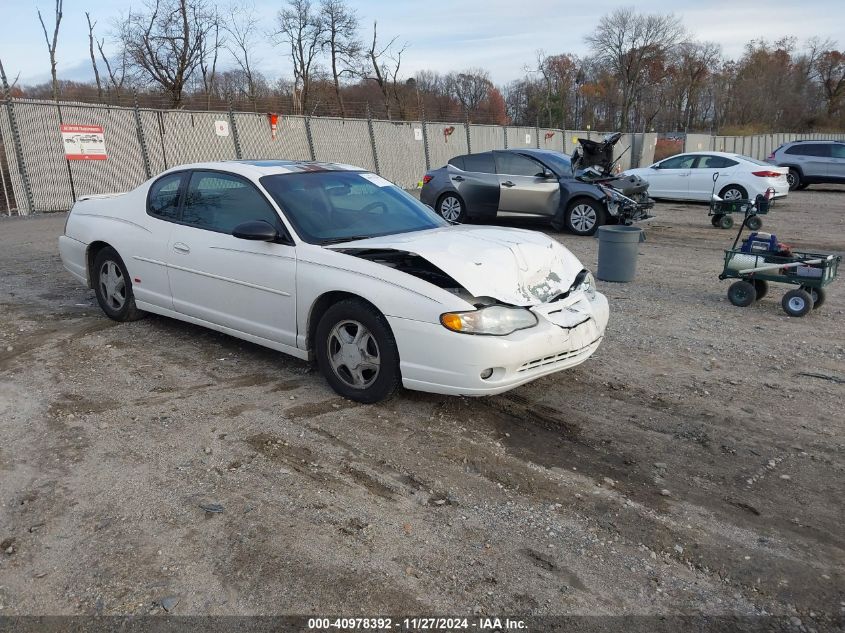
[140, 142]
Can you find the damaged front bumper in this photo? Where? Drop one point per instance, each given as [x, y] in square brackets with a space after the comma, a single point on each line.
[568, 332]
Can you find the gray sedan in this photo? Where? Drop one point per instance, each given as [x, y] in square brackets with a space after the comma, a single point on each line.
[528, 181]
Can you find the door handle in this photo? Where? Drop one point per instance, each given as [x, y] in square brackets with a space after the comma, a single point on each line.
[508, 183]
[458, 178]
[182, 248]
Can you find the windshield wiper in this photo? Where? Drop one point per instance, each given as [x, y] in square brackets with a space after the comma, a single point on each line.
[350, 238]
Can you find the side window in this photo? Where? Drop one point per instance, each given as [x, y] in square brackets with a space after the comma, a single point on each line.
[457, 161]
[809, 149]
[715, 162]
[837, 150]
[510, 164]
[219, 202]
[480, 163]
[163, 197]
[683, 161]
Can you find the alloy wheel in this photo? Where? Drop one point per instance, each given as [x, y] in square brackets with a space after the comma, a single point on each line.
[450, 208]
[112, 285]
[732, 194]
[583, 217]
[353, 354]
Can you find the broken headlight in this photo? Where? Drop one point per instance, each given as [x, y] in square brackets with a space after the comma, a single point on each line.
[494, 320]
[586, 283]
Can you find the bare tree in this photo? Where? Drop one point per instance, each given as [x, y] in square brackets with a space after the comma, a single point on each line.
[830, 67]
[470, 87]
[242, 28]
[301, 28]
[93, 57]
[51, 45]
[385, 64]
[341, 41]
[626, 42]
[209, 52]
[116, 72]
[165, 42]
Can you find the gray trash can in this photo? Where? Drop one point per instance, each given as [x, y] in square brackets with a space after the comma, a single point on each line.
[618, 246]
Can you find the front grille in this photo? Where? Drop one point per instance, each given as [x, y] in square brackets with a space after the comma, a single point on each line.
[556, 359]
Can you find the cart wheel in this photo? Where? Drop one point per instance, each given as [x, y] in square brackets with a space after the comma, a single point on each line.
[716, 219]
[754, 223]
[762, 288]
[797, 303]
[741, 293]
[726, 222]
[818, 295]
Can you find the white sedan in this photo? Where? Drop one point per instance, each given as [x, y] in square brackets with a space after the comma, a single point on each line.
[690, 176]
[332, 263]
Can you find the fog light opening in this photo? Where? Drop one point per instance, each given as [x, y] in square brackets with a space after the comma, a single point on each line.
[486, 373]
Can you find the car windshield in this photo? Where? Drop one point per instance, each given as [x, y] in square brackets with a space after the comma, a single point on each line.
[559, 163]
[336, 206]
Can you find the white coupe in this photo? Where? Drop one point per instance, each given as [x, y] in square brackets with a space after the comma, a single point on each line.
[690, 176]
[332, 263]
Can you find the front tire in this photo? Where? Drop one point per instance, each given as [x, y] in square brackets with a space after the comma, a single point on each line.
[451, 208]
[754, 223]
[113, 287]
[797, 303]
[584, 216]
[726, 222]
[742, 294]
[733, 192]
[356, 351]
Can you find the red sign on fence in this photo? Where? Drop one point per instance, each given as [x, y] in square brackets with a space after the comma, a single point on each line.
[84, 142]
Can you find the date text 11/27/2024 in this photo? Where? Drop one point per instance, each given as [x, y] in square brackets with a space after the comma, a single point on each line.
[412, 625]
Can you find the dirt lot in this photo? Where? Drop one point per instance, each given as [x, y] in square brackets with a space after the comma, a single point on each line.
[689, 467]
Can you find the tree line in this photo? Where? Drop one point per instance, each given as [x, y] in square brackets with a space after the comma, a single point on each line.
[642, 72]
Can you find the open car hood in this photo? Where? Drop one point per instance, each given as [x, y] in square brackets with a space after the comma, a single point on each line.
[514, 266]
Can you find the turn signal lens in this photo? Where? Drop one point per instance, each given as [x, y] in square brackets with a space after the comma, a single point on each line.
[451, 321]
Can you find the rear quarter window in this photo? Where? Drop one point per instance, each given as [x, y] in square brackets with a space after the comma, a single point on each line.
[457, 161]
[163, 197]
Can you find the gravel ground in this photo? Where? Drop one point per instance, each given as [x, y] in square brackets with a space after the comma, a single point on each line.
[692, 466]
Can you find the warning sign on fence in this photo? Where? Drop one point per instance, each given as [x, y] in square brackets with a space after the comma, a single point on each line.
[84, 142]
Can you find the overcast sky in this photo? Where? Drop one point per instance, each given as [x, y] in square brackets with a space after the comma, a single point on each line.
[499, 35]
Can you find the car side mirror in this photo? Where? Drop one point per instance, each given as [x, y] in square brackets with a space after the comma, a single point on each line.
[257, 231]
[548, 174]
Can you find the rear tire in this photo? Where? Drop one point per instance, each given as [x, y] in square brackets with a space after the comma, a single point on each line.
[797, 303]
[716, 219]
[726, 222]
[794, 179]
[451, 208]
[113, 287]
[584, 216]
[819, 296]
[762, 288]
[742, 294]
[356, 351]
[733, 192]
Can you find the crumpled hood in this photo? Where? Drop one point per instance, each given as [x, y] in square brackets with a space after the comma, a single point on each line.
[515, 266]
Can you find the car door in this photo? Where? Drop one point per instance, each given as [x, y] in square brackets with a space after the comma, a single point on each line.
[245, 285]
[670, 177]
[147, 250]
[813, 158]
[523, 188]
[702, 172]
[836, 166]
[474, 178]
